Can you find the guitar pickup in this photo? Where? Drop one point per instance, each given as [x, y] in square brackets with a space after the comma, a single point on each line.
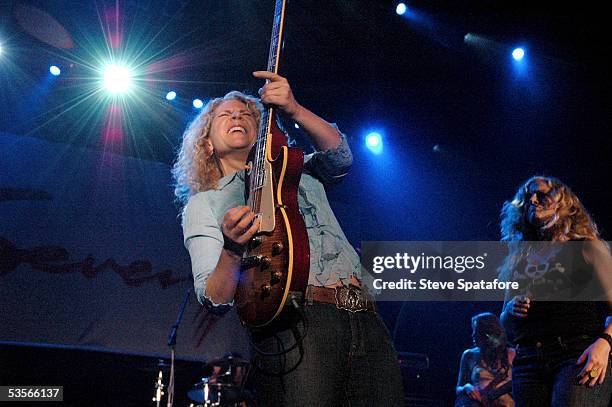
[255, 261]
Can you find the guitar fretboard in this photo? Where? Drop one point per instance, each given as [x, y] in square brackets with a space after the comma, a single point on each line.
[258, 173]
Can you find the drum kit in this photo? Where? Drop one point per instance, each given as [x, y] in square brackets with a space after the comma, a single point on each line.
[222, 384]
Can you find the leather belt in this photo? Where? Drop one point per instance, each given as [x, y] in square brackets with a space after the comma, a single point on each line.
[350, 298]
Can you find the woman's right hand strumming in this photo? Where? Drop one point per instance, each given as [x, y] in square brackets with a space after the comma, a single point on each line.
[472, 392]
[238, 226]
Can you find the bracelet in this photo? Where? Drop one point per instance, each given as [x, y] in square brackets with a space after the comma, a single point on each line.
[233, 247]
[607, 338]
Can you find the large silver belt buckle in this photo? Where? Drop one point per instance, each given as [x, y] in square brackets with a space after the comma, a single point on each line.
[350, 299]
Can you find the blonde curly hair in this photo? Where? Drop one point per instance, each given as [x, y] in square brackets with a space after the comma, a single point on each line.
[574, 222]
[197, 168]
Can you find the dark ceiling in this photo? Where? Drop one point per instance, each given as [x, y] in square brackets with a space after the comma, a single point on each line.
[458, 120]
[356, 62]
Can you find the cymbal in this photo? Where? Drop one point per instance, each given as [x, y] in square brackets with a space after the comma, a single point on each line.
[227, 393]
[159, 365]
[228, 361]
[206, 380]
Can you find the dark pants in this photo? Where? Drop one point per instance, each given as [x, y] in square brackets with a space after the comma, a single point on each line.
[546, 375]
[344, 359]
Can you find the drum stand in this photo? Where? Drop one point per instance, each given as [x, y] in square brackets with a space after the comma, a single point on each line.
[172, 345]
[159, 387]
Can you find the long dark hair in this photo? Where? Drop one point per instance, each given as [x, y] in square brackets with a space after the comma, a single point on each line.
[490, 338]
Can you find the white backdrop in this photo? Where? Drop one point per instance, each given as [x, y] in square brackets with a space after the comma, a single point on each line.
[91, 255]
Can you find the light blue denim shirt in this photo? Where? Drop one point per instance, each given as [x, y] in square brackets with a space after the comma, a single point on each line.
[332, 258]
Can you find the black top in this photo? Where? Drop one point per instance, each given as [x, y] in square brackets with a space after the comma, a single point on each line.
[550, 319]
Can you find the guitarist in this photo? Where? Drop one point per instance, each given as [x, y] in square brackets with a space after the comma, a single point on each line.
[485, 373]
[324, 353]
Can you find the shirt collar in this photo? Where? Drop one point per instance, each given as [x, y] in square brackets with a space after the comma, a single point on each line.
[225, 181]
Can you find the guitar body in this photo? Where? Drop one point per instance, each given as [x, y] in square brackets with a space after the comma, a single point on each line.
[489, 396]
[277, 260]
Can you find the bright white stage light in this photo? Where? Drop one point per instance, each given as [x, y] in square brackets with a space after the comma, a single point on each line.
[518, 54]
[117, 79]
[55, 71]
[400, 9]
[197, 103]
[171, 95]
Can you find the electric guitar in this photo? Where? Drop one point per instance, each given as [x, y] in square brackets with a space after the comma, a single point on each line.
[277, 259]
[488, 395]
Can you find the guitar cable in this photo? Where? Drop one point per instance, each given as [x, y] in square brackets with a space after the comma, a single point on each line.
[279, 343]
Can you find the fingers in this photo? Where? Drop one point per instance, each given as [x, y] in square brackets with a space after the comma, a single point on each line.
[584, 373]
[275, 91]
[582, 359]
[591, 375]
[476, 395]
[250, 232]
[520, 306]
[273, 77]
[240, 224]
[233, 216]
[602, 374]
[595, 368]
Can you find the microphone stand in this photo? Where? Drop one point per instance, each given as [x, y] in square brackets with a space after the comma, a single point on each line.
[172, 345]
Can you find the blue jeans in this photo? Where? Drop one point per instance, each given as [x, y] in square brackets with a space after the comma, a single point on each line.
[545, 374]
[344, 359]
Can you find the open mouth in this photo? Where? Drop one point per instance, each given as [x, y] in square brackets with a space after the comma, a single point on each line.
[237, 129]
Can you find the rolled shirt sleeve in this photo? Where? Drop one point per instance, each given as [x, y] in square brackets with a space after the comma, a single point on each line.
[204, 241]
[332, 165]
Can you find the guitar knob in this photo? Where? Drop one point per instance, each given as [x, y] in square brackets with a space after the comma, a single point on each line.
[265, 289]
[276, 277]
[265, 261]
[277, 248]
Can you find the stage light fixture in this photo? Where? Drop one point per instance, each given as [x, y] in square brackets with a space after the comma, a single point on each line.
[374, 142]
[171, 95]
[55, 70]
[117, 79]
[400, 9]
[197, 103]
[518, 54]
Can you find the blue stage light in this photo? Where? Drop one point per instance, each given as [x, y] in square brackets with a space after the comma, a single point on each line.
[400, 9]
[171, 95]
[55, 71]
[374, 142]
[518, 54]
[197, 103]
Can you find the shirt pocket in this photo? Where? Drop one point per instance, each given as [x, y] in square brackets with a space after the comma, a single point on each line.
[313, 204]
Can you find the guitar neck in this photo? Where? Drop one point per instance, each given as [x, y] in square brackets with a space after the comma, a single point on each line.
[258, 177]
[274, 57]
